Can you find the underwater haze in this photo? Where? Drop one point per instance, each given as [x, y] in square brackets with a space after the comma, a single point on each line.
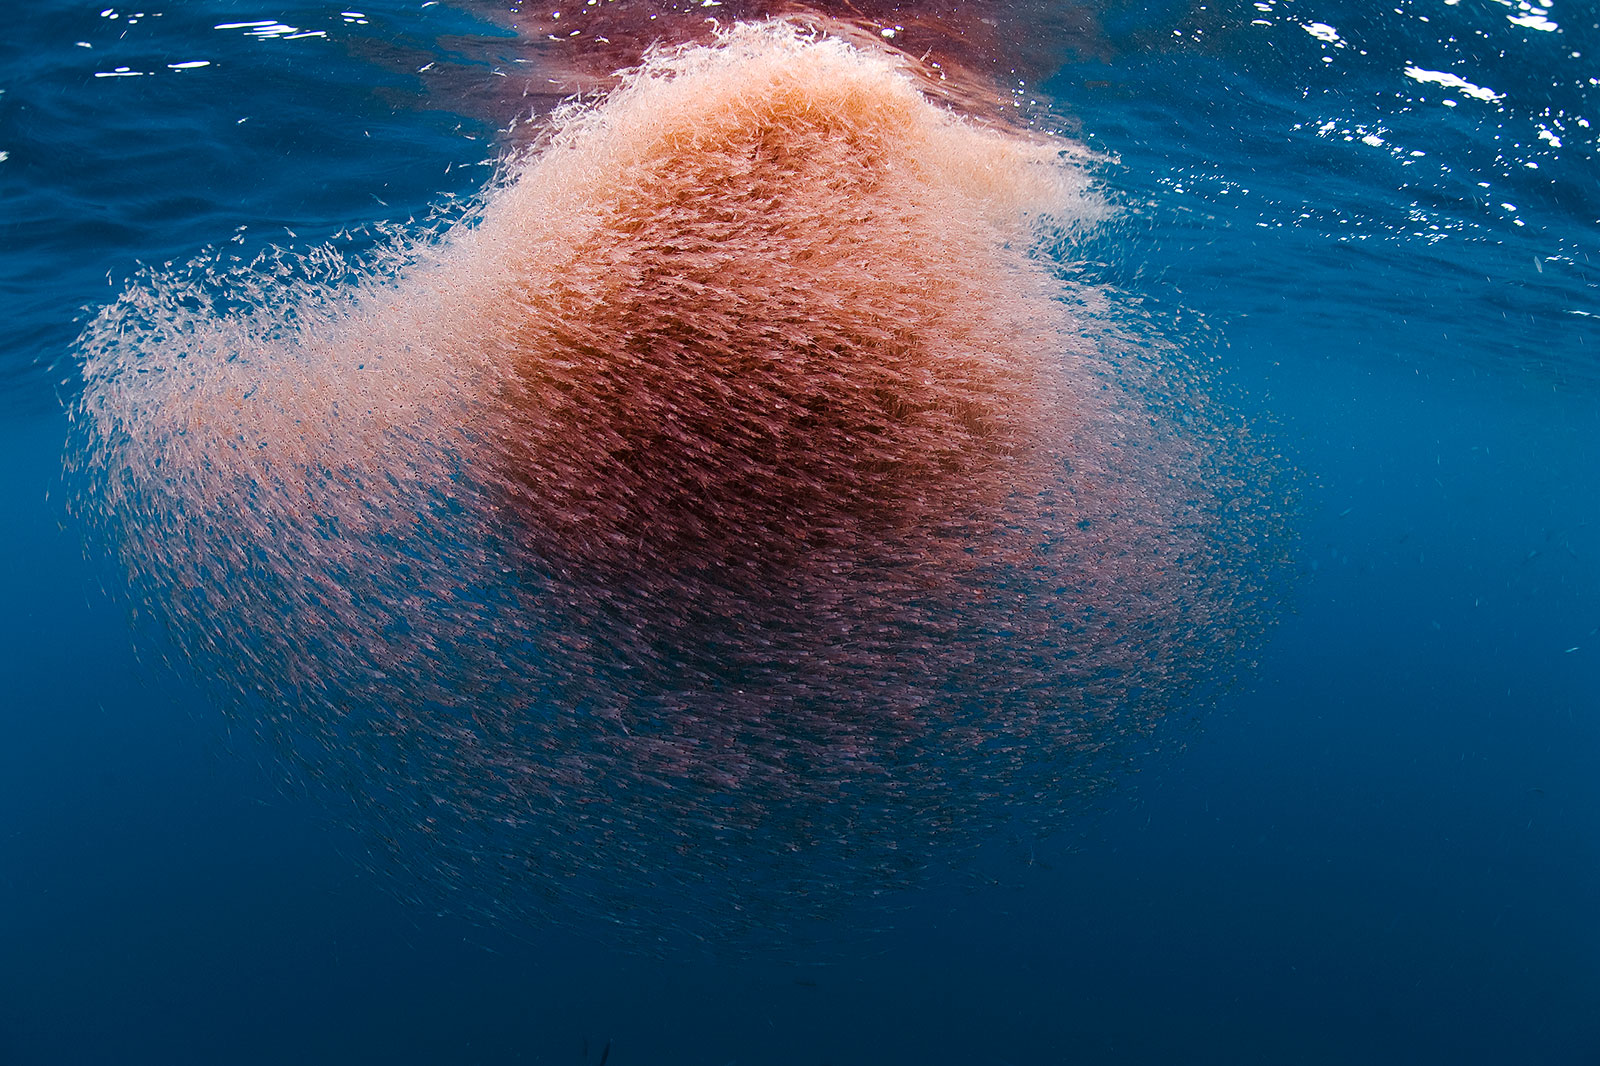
[982, 535]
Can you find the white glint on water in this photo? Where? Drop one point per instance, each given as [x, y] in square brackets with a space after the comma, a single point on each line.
[1453, 81]
[271, 29]
[1533, 22]
[1324, 33]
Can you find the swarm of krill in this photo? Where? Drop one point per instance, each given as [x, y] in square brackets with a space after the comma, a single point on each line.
[731, 515]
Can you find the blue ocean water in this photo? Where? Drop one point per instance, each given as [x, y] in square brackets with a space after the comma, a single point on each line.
[1381, 846]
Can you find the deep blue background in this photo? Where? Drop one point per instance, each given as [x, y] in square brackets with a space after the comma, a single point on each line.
[1384, 848]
